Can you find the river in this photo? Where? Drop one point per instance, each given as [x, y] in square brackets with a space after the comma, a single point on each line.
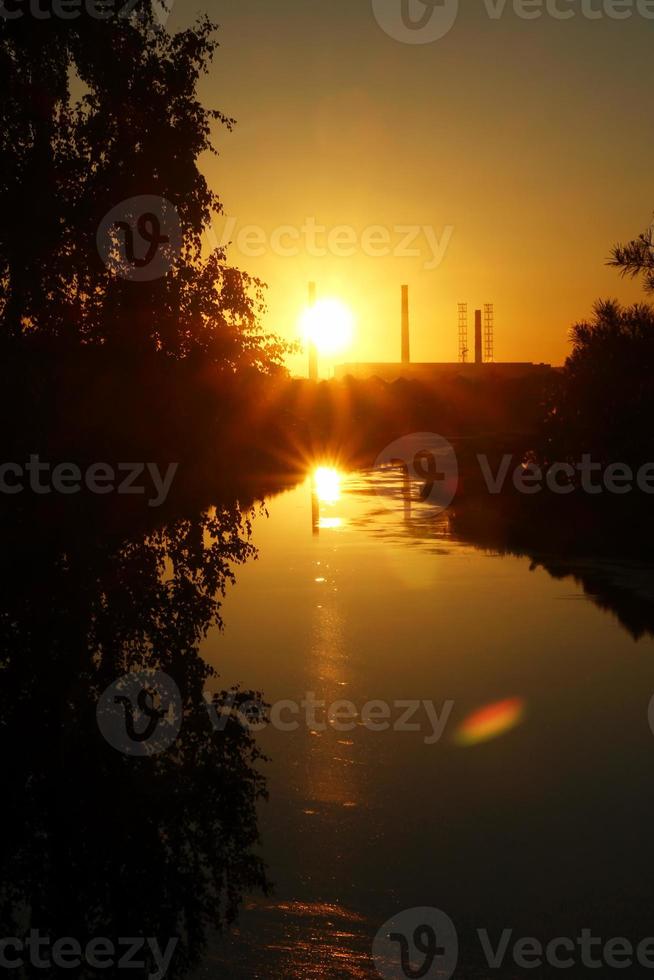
[519, 797]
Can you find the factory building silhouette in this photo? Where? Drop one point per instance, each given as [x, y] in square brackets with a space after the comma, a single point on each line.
[430, 371]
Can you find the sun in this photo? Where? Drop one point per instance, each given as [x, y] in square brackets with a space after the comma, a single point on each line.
[327, 483]
[329, 325]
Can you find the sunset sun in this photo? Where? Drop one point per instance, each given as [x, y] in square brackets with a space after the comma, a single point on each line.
[329, 325]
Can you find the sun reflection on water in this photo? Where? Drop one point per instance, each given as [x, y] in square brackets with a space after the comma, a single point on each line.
[327, 481]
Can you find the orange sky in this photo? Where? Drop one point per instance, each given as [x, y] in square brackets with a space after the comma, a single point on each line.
[524, 146]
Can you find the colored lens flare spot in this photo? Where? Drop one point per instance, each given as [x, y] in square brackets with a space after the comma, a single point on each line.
[490, 721]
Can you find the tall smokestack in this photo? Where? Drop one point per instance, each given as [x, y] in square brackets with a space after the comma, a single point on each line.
[406, 350]
[313, 350]
[478, 355]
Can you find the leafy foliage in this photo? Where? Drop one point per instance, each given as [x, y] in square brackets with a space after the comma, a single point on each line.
[96, 112]
[605, 400]
[636, 258]
[97, 843]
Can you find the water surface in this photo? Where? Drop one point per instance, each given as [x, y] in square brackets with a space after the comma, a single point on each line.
[545, 828]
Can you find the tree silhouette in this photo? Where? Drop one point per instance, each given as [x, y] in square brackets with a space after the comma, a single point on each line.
[95, 113]
[636, 258]
[605, 396]
[607, 392]
[95, 842]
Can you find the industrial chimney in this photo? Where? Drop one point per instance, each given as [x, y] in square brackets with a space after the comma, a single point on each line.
[406, 351]
[478, 348]
[313, 350]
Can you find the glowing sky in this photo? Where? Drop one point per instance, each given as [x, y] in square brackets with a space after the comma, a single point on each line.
[531, 139]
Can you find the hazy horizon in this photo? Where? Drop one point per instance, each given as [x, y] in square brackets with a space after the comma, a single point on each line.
[538, 174]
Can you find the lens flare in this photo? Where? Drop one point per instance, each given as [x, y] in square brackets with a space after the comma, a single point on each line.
[490, 722]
